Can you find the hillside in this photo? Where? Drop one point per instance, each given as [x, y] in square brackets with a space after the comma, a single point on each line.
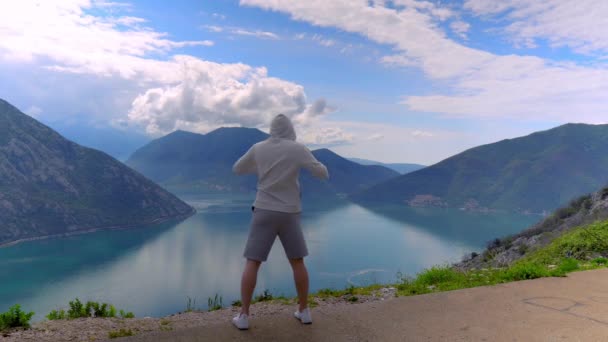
[189, 163]
[535, 173]
[52, 186]
[580, 212]
[402, 168]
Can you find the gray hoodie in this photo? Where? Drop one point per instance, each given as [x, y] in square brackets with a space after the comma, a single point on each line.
[277, 162]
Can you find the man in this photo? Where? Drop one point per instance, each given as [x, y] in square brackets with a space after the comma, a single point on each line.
[276, 211]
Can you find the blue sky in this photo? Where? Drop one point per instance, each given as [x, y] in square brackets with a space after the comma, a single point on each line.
[395, 81]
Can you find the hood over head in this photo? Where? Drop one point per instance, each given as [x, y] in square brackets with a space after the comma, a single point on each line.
[282, 128]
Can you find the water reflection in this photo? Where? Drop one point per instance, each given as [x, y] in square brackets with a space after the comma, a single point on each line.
[151, 272]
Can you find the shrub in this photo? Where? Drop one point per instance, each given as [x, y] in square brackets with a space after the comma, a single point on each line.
[599, 261]
[237, 303]
[15, 318]
[55, 315]
[124, 314]
[120, 333]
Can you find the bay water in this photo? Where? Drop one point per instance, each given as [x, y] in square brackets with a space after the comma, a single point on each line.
[153, 270]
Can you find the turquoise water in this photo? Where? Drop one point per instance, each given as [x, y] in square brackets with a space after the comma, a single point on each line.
[152, 270]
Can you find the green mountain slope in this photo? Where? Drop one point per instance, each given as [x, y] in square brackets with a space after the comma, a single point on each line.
[537, 172]
[189, 163]
[52, 186]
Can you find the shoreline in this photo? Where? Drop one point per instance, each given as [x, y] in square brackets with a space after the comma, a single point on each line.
[93, 230]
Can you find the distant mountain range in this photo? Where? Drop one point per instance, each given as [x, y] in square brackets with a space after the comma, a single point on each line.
[188, 163]
[402, 168]
[538, 172]
[50, 186]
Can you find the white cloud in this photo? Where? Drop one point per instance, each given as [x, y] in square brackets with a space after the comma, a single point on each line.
[65, 32]
[480, 83]
[214, 28]
[581, 25]
[212, 94]
[219, 16]
[257, 33]
[175, 92]
[323, 41]
[33, 111]
[423, 134]
[243, 32]
[460, 28]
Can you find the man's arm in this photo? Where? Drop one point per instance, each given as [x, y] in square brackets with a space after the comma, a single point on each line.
[245, 164]
[315, 167]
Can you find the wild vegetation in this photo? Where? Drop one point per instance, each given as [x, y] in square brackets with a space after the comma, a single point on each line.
[15, 318]
[77, 309]
[581, 211]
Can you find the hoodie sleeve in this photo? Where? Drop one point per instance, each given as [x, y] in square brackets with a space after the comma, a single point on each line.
[245, 164]
[315, 167]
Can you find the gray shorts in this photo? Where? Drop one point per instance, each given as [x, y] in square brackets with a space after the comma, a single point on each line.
[266, 225]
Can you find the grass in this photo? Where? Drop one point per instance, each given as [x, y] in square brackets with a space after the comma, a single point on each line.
[120, 333]
[15, 318]
[190, 304]
[215, 303]
[91, 309]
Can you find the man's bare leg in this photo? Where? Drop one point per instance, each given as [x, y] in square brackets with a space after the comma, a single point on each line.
[248, 282]
[300, 277]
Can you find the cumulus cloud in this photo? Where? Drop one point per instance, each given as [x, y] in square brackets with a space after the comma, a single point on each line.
[481, 83]
[213, 94]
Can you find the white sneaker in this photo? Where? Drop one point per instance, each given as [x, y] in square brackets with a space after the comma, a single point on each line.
[241, 322]
[304, 316]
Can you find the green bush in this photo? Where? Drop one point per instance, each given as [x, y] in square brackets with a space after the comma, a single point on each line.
[124, 314]
[237, 303]
[15, 318]
[599, 261]
[120, 333]
[55, 315]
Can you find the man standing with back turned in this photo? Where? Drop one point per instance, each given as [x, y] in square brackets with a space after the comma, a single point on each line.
[276, 211]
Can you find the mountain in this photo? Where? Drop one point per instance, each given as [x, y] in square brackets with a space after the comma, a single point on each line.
[402, 168]
[349, 177]
[187, 162]
[534, 173]
[115, 142]
[51, 186]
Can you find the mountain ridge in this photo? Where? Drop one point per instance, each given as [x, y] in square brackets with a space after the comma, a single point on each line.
[50, 186]
[201, 163]
[538, 172]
